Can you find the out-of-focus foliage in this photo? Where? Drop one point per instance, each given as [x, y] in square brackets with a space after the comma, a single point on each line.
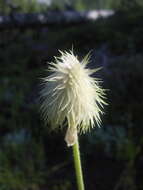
[124, 5]
[11, 6]
[26, 6]
[25, 169]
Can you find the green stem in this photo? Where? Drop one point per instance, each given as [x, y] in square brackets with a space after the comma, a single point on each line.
[78, 168]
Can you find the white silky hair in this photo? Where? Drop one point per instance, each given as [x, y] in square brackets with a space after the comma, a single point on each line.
[70, 93]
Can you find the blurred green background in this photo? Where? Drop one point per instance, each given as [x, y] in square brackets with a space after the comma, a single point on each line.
[32, 157]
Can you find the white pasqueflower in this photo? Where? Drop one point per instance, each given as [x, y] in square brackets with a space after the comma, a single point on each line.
[70, 95]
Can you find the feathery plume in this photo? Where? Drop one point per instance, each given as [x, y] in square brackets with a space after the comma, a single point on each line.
[71, 94]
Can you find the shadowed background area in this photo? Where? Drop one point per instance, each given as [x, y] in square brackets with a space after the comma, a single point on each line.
[31, 33]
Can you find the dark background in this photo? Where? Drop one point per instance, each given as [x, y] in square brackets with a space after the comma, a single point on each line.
[32, 157]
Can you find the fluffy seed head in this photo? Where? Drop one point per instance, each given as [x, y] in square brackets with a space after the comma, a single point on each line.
[71, 95]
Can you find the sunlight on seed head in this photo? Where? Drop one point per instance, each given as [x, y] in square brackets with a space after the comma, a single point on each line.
[71, 94]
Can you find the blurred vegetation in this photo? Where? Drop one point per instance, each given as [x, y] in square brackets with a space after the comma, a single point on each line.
[8, 6]
[33, 158]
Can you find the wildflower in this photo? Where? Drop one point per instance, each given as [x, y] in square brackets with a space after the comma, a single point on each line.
[70, 94]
